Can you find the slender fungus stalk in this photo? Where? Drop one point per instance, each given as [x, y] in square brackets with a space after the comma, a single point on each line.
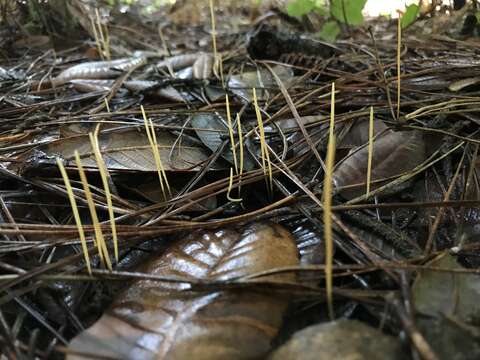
[230, 131]
[152, 139]
[76, 215]
[370, 151]
[399, 44]
[217, 57]
[240, 144]
[104, 176]
[102, 247]
[327, 209]
[266, 164]
[107, 106]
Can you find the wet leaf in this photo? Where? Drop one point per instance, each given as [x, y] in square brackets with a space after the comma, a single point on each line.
[203, 66]
[394, 153]
[212, 129]
[164, 320]
[450, 340]
[178, 62]
[357, 134]
[463, 83]
[98, 69]
[91, 85]
[242, 84]
[153, 192]
[122, 150]
[451, 293]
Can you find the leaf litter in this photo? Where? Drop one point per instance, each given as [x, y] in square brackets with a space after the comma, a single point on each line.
[232, 261]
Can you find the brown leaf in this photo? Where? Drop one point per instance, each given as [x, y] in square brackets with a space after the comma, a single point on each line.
[203, 66]
[394, 153]
[126, 149]
[262, 79]
[161, 320]
[98, 69]
[178, 62]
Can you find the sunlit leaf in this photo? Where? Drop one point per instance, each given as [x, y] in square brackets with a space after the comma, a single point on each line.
[348, 11]
[410, 15]
[300, 7]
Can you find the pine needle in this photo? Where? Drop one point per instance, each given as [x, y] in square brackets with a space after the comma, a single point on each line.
[76, 215]
[104, 176]
[101, 245]
[266, 164]
[97, 38]
[370, 151]
[152, 139]
[327, 208]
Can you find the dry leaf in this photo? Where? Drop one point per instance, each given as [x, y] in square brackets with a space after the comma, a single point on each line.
[394, 153]
[126, 149]
[203, 66]
[178, 62]
[162, 320]
[262, 79]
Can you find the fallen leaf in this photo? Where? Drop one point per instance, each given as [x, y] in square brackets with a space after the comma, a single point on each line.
[203, 66]
[125, 149]
[442, 292]
[164, 320]
[340, 340]
[212, 130]
[262, 79]
[97, 70]
[394, 153]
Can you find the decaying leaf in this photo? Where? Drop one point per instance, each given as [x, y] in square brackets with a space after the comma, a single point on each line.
[151, 191]
[165, 320]
[394, 153]
[91, 85]
[98, 69]
[340, 340]
[168, 92]
[450, 293]
[448, 309]
[212, 129]
[126, 149]
[178, 62]
[203, 66]
[357, 134]
[463, 83]
[262, 79]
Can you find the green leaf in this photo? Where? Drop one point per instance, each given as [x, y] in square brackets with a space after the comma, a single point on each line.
[300, 7]
[410, 15]
[329, 31]
[348, 11]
